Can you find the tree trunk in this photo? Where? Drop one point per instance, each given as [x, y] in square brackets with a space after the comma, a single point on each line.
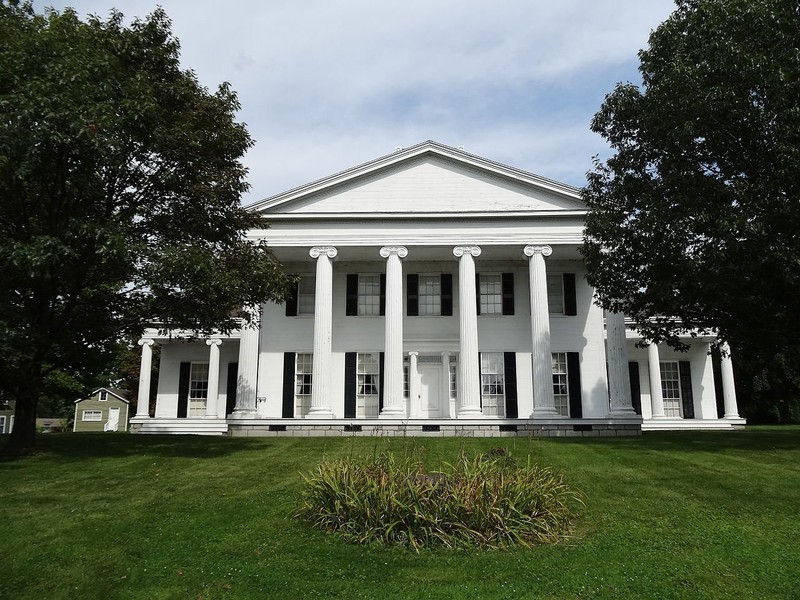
[23, 436]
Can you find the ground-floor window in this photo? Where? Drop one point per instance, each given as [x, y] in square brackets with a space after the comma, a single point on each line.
[198, 389]
[493, 397]
[560, 383]
[368, 385]
[671, 389]
[2, 424]
[303, 367]
[92, 415]
[453, 370]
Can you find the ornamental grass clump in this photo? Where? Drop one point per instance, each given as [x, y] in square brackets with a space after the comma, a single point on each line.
[481, 500]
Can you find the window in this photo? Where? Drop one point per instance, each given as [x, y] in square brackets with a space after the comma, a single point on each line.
[492, 384]
[490, 293]
[103, 395]
[302, 383]
[368, 385]
[369, 295]
[555, 293]
[560, 383]
[406, 377]
[430, 295]
[2, 423]
[453, 368]
[92, 415]
[198, 389]
[671, 389]
[306, 289]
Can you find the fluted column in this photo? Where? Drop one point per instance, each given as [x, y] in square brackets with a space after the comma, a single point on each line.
[247, 376]
[145, 368]
[469, 390]
[212, 399]
[323, 333]
[541, 356]
[654, 368]
[619, 382]
[414, 408]
[393, 341]
[728, 385]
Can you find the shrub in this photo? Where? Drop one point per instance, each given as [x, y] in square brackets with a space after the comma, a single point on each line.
[481, 500]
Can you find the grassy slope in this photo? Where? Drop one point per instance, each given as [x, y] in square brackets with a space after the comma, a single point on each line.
[669, 515]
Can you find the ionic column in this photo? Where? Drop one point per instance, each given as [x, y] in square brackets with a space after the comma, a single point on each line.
[654, 368]
[393, 357]
[469, 390]
[619, 382]
[323, 333]
[212, 400]
[728, 385]
[414, 409]
[247, 376]
[542, 357]
[145, 368]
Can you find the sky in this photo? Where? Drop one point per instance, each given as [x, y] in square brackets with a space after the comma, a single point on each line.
[326, 85]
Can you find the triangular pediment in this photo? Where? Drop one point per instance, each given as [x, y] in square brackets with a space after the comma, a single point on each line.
[427, 179]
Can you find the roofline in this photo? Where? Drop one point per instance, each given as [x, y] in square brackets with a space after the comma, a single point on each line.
[428, 146]
[125, 400]
[431, 216]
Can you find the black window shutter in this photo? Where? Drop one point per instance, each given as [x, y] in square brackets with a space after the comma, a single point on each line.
[230, 387]
[383, 294]
[350, 361]
[478, 292]
[291, 303]
[351, 304]
[510, 368]
[508, 293]
[685, 374]
[287, 411]
[574, 385]
[716, 368]
[636, 389]
[380, 382]
[183, 390]
[447, 294]
[412, 289]
[570, 297]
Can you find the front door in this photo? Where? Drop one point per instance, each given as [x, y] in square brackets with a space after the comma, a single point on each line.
[430, 376]
[113, 418]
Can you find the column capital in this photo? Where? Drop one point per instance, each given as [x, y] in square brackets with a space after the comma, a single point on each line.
[387, 251]
[213, 342]
[460, 251]
[148, 341]
[413, 353]
[318, 251]
[534, 249]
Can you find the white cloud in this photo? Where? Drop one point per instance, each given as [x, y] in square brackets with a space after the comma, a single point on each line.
[326, 85]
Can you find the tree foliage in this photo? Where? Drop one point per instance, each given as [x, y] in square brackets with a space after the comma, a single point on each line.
[120, 187]
[695, 216]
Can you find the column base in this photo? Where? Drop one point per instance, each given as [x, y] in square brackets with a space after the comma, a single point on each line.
[392, 413]
[469, 413]
[319, 413]
[142, 417]
[546, 413]
[244, 413]
[733, 416]
[623, 412]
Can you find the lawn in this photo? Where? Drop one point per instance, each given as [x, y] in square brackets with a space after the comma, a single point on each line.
[666, 515]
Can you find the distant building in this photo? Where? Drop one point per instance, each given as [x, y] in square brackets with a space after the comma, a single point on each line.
[6, 418]
[439, 293]
[106, 409]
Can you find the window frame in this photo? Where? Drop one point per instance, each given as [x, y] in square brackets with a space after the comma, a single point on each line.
[560, 383]
[492, 373]
[303, 382]
[303, 308]
[496, 306]
[103, 397]
[436, 296]
[87, 412]
[375, 296]
[372, 378]
[197, 399]
[673, 405]
[551, 283]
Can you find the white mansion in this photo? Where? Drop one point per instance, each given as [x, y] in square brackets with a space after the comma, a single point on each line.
[440, 293]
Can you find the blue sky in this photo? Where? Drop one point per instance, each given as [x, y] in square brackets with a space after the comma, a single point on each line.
[328, 84]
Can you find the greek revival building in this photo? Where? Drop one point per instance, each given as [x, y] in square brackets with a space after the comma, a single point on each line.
[439, 293]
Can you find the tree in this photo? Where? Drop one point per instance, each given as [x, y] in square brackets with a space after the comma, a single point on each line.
[120, 186]
[694, 219]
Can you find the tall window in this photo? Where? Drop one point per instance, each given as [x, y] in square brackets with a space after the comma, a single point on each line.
[453, 369]
[430, 295]
[493, 384]
[560, 383]
[369, 295]
[490, 287]
[103, 396]
[306, 289]
[555, 293]
[406, 377]
[198, 389]
[671, 389]
[2, 423]
[368, 385]
[302, 383]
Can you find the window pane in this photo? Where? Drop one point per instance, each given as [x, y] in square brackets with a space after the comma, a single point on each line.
[369, 294]
[560, 383]
[671, 389]
[306, 288]
[430, 295]
[492, 384]
[367, 385]
[303, 383]
[491, 294]
[555, 293]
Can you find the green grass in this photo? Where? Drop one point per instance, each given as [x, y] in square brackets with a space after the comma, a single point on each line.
[667, 515]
